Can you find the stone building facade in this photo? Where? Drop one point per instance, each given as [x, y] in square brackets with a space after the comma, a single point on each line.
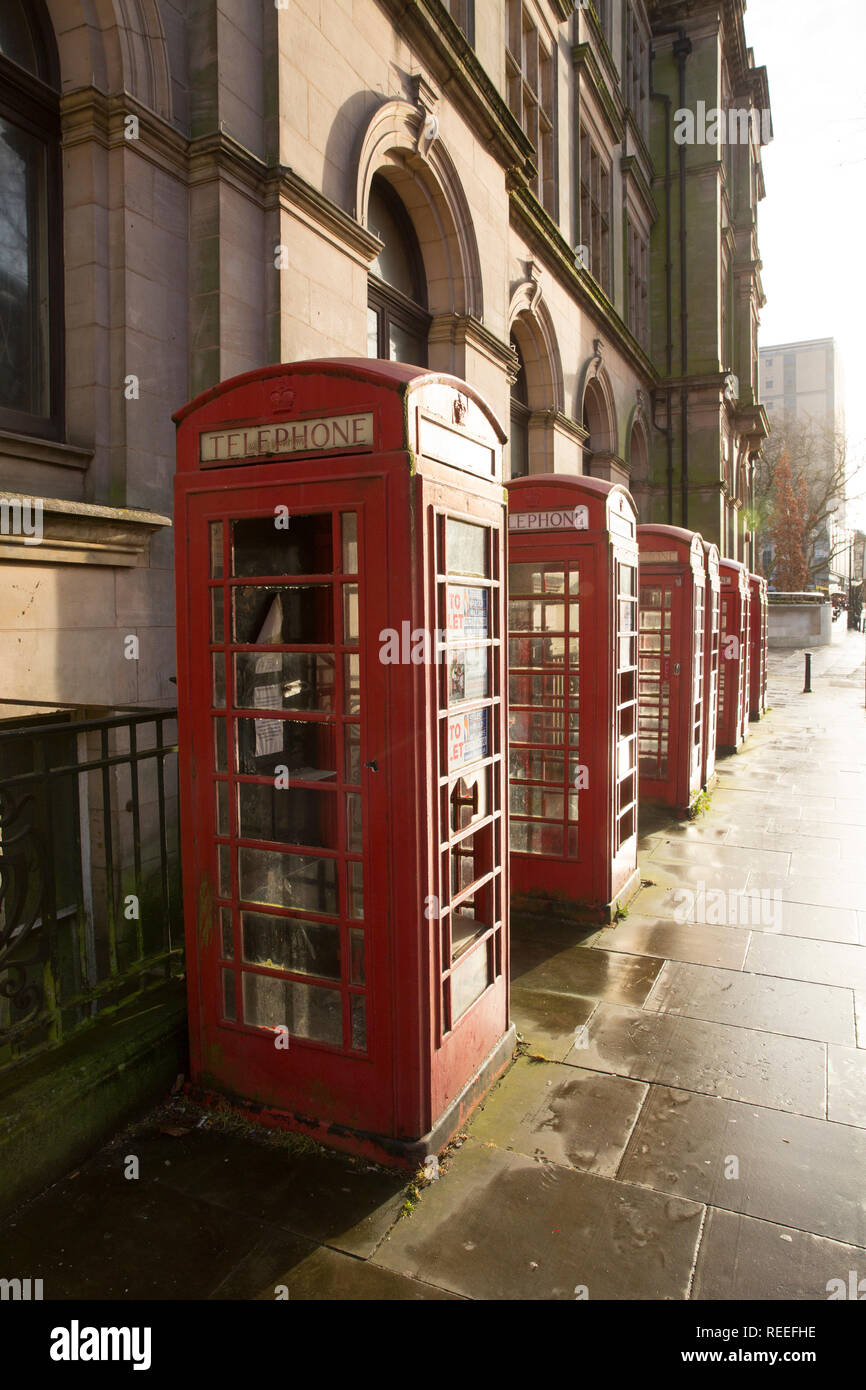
[712, 117]
[208, 187]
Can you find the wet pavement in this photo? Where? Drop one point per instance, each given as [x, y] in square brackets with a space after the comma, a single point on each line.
[686, 1118]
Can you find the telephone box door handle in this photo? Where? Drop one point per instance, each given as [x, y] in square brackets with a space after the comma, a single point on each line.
[372, 765]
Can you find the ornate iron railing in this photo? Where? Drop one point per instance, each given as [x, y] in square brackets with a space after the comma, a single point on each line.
[90, 904]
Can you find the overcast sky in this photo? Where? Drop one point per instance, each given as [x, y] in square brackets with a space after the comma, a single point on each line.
[812, 223]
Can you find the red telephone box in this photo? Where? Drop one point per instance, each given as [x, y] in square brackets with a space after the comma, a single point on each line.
[342, 739]
[734, 656]
[672, 657]
[572, 698]
[712, 632]
[758, 613]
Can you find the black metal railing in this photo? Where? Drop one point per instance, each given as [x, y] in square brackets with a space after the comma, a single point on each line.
[90, 903]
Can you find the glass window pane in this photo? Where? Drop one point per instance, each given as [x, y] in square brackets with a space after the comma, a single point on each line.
[467, 613]
[355, 877]
[406, 345]
[280, 544]
[296, 613]
[284, 680]
[229, 1005]
[357, 969]
[352, 684]
[224, 871]
[307, 1011]
[349, 531]
[527, 615]
[352, 752]
[227, 933]
[217, 625]
[350, 613]
[288, 880]
[220, 748]
[469, 980]
[536, 837]
[373, 333]
[287, 815]
[306, 747]
[398, 263]
[354, 832]
[222, 800]
[291, 943]
[465, 548]
[535, 579]
[467, 674]
[219, 679]
[23, 271]
[359, 1021]
[216, 549]
[528, 652]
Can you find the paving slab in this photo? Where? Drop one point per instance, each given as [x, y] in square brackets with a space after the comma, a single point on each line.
[705, 854]
[582, 971]
[794, 1170]
[503, 1226]
[796, 1008]
[324, 1197]
[815, 865]
[687, 941]
[547, 1021]
[325, 1275]
[747, 837]
[715, 1058]
[581, 1119]
[817, 921]
[823, 962]
[846, 1085]
[671, 874]
[99, 1235]
[741, 1258]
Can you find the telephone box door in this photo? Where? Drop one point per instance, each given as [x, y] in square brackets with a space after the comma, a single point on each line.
[660, 619]
[288, 777]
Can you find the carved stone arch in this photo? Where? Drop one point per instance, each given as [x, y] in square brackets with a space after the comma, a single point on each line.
[530, 321]
[598, 414]
[742, 476]
[638, 440]
[125, 49]
[402, 144]
[595, 401]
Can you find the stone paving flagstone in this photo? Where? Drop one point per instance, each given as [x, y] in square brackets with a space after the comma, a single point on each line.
[686, 1120]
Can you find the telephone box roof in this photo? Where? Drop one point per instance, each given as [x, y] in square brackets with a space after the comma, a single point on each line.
[399, 377]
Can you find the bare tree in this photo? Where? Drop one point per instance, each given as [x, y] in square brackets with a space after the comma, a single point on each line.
[820, 464]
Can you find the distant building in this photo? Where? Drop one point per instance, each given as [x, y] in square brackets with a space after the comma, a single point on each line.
[802, 384]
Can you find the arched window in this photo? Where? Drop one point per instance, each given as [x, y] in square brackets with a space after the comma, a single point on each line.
[31, 257]
[397, 318]
[596, 422]
[519, 440]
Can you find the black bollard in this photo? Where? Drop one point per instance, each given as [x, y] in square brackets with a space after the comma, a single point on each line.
[807, 688]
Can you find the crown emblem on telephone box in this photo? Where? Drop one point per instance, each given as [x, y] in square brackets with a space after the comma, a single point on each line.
[282, 396]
